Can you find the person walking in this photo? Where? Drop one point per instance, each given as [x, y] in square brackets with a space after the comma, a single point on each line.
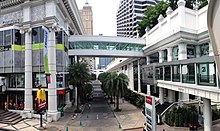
[89, 105]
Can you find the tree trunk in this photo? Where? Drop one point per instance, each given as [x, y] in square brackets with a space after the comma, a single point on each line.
[77, 100]
[117, 102]
[111, 99]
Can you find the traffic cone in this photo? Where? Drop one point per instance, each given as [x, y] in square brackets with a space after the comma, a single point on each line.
[80, 123]
[119, 126]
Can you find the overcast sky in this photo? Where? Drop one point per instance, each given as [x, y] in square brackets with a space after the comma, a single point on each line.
[104, 15]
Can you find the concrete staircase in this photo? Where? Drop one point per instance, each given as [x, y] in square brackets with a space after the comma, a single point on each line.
[11, 118]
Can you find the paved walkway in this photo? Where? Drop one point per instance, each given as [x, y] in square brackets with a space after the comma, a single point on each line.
[98, 118]
[25, 125]
[130, 116]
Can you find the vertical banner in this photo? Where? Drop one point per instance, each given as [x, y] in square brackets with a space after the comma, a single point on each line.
[150, 113]
[46, 68]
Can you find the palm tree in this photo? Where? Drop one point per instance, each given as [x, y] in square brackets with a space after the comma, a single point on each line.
[120, 85]
[109, 83]
[79, 75]
[102, 78]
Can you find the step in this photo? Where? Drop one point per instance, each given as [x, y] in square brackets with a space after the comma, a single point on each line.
[12, 117]
[7, 114]
[12, 121]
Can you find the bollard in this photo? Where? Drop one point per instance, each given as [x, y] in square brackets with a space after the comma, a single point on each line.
[66, 128]
[119, 126]
[80, 123]
[87, 116]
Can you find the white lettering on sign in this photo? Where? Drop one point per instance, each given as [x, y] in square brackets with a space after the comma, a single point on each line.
[181, 89]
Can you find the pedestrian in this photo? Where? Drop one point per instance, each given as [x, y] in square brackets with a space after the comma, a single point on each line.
[123, 99]
[89, 105]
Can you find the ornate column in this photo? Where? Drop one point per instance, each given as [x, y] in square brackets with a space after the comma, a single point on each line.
[26, 29]
[28, 98]
[169, 54]
[161, 56]
[182, 56]
[52, 87]
[161, 95]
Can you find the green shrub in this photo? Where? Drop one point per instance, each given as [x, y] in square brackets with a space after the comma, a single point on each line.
[182, 116]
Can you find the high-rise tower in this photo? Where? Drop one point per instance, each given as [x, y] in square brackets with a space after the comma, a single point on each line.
[87, 18]
[129, 14]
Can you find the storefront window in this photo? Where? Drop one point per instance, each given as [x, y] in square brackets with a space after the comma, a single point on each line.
[40, 78]
[17, 81]
[59, 37]
[37, 35]
[16, 100]
[12, 101]
[18, 38]
[7, 37]
[59, 81]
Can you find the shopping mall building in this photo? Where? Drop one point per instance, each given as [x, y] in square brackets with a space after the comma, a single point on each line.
[26, 26]
[178, 63]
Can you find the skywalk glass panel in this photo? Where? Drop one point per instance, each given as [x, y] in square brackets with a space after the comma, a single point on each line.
[167, 73]
[105, 46]
[159, 73]
[206, 74]
[188, 73]
[176, 73]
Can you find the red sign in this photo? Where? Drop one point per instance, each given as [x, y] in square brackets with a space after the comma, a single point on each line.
[60, 92]
[149, 100]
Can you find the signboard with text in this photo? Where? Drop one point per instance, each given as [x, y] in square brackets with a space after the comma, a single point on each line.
[150, 113]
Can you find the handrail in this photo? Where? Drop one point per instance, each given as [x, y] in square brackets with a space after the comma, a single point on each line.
[168, 108]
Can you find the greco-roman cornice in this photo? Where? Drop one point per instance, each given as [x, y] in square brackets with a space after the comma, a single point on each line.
[75, 16]
[9, 3]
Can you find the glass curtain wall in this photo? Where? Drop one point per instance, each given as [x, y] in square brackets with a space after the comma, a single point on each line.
[188, 73]
[167, 73]
[176, 73]
[206, 74]
[159, 73]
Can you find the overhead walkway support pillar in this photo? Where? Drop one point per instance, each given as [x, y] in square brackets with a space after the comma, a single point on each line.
[207, 114]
